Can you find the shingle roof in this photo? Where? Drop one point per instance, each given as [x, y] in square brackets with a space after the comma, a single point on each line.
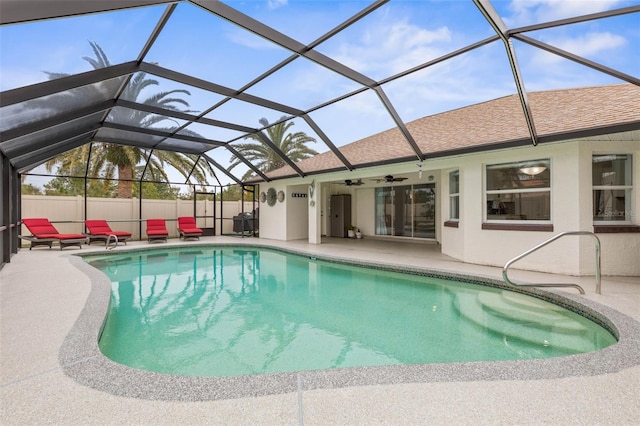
[492, 124]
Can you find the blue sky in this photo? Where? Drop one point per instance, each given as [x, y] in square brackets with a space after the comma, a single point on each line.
[399, 35]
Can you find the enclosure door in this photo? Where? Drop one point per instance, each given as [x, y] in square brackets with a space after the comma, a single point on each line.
[204, 210]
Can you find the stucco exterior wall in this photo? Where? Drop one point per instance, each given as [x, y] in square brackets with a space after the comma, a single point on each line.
[297, 213]
[273, 219]
[571, 204]
[571, 208]
[365, 211]
[289, 219]
[496, 247]
[452, 239]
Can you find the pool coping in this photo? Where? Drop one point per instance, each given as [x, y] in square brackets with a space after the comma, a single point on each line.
[81, 359]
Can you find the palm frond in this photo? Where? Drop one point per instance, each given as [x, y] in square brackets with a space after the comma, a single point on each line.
[108, 159]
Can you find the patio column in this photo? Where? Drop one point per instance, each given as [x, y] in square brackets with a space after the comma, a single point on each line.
[315, 212]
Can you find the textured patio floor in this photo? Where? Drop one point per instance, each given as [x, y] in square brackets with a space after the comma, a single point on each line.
[42, 295]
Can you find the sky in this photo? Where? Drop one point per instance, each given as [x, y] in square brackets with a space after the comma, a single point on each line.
[397, 36]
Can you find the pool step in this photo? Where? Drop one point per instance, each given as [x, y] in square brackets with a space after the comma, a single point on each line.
[538, 313]
[519, 318]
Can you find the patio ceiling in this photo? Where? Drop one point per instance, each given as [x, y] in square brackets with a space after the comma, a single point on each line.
[46, 118]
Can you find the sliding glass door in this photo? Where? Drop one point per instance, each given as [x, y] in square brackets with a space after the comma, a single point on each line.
[406, 211]
[424, 211]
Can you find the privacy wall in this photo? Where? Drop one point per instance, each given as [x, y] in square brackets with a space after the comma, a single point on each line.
[123, 214]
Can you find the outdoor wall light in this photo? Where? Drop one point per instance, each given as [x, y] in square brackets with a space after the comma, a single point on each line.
[312, 187]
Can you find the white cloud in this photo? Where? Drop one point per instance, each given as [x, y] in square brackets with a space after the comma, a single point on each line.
[383, 50]
[247, 39]
[592, 43]
[275, 4]
[525, 12]
[589, 46]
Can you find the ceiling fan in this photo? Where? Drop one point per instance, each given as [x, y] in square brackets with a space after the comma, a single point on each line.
[389, 179]
[350, 182]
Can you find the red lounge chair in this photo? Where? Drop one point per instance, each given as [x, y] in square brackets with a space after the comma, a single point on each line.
[44, 233]
[99, 230]
[157, 229]
[187, 227]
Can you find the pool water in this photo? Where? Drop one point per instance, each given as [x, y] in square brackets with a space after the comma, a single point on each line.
[226, 311]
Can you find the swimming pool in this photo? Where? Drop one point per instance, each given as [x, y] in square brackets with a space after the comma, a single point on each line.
[228, 311]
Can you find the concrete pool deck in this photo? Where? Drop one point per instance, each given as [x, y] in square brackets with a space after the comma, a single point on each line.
[43, 294]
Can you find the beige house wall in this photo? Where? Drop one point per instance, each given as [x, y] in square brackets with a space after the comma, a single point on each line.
[297, 212]
[275, 216]
[571, 208]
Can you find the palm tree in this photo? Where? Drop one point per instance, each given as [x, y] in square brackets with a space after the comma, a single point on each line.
[263, 157]
[111, 160]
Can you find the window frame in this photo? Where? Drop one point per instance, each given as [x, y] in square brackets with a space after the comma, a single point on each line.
[392, 192]
[627, 188]
[517, 224]
[454, 195]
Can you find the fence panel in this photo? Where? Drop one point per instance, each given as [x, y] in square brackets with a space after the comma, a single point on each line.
[123, 213]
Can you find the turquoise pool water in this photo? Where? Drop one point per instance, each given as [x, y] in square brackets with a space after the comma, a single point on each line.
[226, 311]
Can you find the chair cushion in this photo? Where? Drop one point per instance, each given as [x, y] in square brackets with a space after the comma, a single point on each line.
[120, 234]
[191, 230]
[185, 222]
[98, 227]
[40, 227]
[70, 237]
[101, 227]
[156, 227]
[47, 235]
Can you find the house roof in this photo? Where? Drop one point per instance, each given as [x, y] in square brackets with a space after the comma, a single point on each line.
[42, 119]
[558, 115]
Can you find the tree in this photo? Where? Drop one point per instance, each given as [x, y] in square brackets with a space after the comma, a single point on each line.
[30, 189]
[233, 193]
[157, 191]
[263, 157]
[119, 161]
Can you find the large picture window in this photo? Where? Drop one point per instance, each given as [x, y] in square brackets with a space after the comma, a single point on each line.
[519, 192]
[612, 185]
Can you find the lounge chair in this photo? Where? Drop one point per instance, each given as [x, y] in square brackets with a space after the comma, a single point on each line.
[99, 230]
[157, 230]
[187, 227]
[44, 233]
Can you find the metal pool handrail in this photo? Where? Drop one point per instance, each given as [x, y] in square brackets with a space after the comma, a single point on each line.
[115, 241]
[550, 240]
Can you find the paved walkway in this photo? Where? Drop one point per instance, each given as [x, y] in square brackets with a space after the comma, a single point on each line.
[42, 294]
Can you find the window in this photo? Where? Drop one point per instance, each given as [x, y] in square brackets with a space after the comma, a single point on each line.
[454, 195]
[611, 188]
[519, 192]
